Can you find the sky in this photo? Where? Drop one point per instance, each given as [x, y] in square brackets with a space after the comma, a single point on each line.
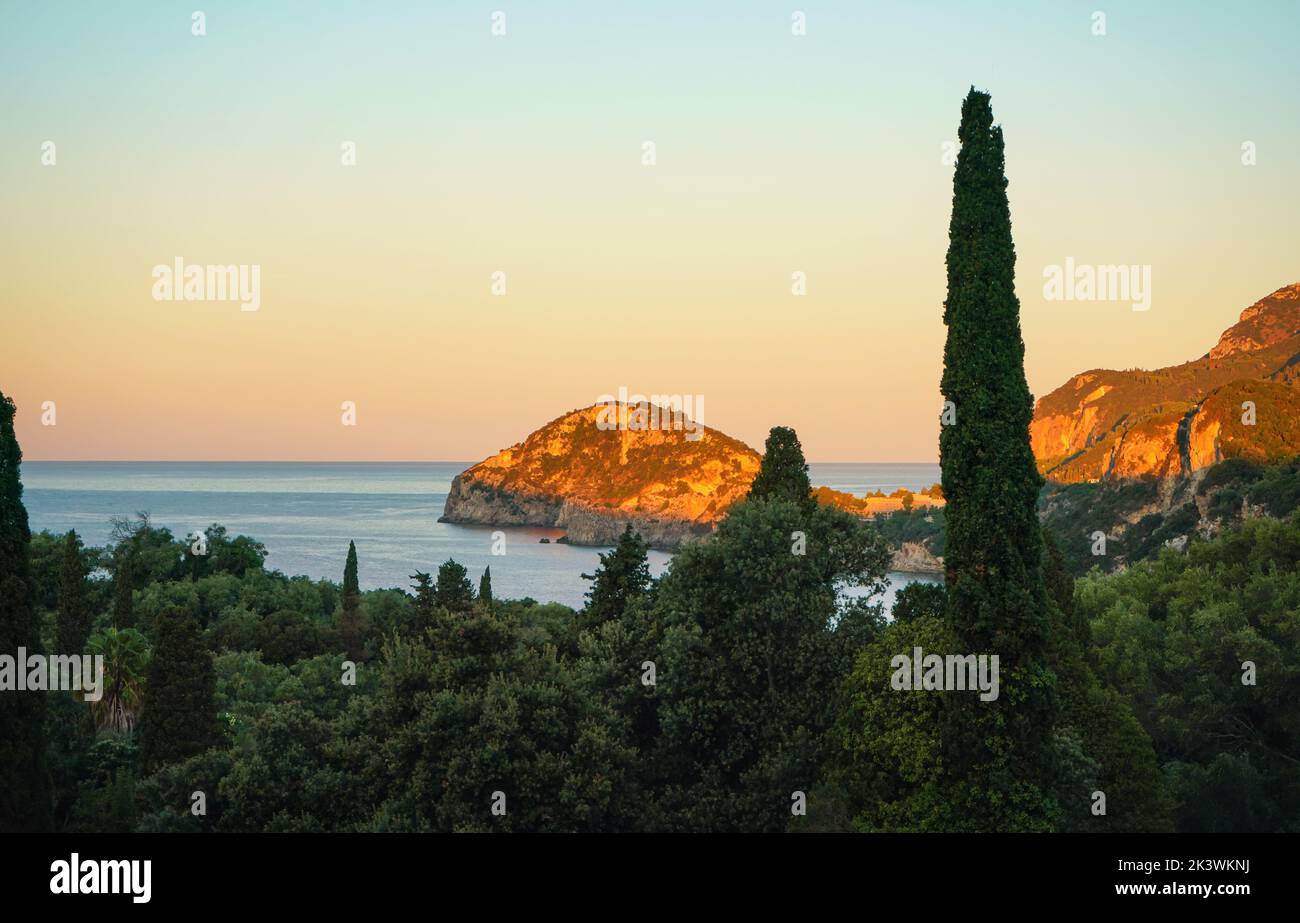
[820, 153]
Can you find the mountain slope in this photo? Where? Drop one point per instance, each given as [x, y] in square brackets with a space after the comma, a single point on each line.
[1104, 424]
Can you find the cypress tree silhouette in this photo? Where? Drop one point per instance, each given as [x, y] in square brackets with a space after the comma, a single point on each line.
[997, 600]
[178, 716]
[351, 622]
[25, 785]
[996, 595]
[72, 626]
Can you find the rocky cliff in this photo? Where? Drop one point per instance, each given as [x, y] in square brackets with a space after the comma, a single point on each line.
[1106, 424]
[592, 480]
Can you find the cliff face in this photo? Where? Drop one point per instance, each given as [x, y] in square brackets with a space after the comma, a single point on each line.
[591, 481]
[915, 558]
[1106, 424]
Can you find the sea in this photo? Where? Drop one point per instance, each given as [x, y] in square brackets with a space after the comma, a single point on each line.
[306, 513]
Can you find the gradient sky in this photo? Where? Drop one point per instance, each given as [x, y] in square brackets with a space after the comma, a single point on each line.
[521, 153]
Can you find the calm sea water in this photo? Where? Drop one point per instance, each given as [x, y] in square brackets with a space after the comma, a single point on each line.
[306, 513]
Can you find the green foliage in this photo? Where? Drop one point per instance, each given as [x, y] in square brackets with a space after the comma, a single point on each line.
[289, 637]
[126, 658]
[1098, 727]
[1173, 635]
[351, 584]
[1229, 471]
[46, 552]
[924, 526]
[147, 554]
[996, 598]
[700, 702]
[484, 716]
[107, 808]
[453, 591]
[892, 759]
[485, 587]
[283, 637]
[920, 600]
[104, 801]
[995, 594]
[1228, 795]
[351, 621]
[280, 783]
[178, 713]
[750, 644]
[1226, 504]
[222, 554]
[784, 473]
[623, 575]
[424, 598]
[26, 795]
[1153, 531]
[123, 603]
[74, 619]
[1278, 489]
[167, 796]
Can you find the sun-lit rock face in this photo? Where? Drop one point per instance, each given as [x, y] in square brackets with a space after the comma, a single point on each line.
[1150, 448]
[1111, 424]
[591, 472]
[1269, 320]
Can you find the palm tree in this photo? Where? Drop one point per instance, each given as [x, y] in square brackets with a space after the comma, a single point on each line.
[125, 652]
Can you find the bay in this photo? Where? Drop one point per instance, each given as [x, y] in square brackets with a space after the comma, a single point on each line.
[305, 513]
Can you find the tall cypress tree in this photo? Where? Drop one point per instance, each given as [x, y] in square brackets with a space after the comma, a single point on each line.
[997, 598]
[485, 587]
[178, 717]
[351, 585]
[351, 626]
[784, 473]
[25, 786]
[72, 626]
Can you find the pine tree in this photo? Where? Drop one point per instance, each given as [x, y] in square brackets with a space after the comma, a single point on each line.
[454, 592]
[623, 575]
[784, 473]
[485, 587]
[178, 716]
[997, 601]
[424, 600]
[72, 627]
[25, 786]
[351, 622]
[123, 613]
